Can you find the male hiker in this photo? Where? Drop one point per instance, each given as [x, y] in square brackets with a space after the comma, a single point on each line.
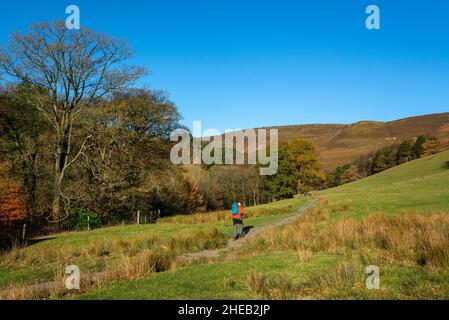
[242, 214]
[236, 220]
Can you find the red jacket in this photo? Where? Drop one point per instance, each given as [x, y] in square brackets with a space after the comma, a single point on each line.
[241, 212]
[240, 215]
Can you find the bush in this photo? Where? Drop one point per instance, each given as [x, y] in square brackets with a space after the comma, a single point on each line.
[80, 219]
[277, 287]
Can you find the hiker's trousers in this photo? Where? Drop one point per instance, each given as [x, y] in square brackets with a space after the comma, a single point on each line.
[238, 227]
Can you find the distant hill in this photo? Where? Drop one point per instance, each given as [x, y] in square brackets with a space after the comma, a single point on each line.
[338, 144]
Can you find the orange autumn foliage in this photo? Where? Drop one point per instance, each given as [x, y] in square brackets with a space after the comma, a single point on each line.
[12, 206]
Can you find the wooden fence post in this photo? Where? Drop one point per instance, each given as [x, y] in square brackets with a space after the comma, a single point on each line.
[88, 223]
[138, 216]
[24, 231]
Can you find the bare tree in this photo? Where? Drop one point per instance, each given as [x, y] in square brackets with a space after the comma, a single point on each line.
[77, 68]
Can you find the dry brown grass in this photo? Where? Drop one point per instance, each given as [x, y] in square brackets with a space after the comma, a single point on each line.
[224, 215]
[410, 238]
[22, 292]
[273, 288]
[304, 255]
[412, 248]
[140, 266]
[41, 291]
[421, 239]
[197, 240]
[107, 249]
[105, 261]
[128, 268]
[345, 280]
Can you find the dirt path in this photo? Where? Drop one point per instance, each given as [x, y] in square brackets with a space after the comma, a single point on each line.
[232, 245]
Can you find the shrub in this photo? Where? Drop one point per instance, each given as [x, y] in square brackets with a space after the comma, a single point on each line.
[277, 287]
[80, 219]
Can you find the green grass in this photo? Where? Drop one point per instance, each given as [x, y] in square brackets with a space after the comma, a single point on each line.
[223, 280]
[8, 276]
[420, 185]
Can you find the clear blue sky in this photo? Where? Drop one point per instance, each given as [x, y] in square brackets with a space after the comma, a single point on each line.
[240, 64]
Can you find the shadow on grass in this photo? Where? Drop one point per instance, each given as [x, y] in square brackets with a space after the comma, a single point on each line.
[31, 242]
[246, 229]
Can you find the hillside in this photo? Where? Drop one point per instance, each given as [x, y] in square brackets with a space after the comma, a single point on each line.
[410, 247]
[419, 185]
[338, 144]
[345, 233]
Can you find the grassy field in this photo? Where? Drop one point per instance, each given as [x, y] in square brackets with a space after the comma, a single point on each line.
[396, 220]
[219, 280]
[106, 250]
[419, 186]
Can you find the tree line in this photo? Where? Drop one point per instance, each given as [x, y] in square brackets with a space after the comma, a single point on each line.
[77, 136]
[383, 159]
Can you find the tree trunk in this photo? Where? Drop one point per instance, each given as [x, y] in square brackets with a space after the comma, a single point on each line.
[254, 197]
[56, 208]
[62, 152]
[32, 189]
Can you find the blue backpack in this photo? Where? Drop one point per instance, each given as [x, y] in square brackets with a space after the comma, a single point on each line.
[235, 208]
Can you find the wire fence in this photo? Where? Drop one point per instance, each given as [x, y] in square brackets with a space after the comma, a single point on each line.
[20, 232]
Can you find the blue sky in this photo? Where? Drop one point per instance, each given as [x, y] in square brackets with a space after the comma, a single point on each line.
[239, 64]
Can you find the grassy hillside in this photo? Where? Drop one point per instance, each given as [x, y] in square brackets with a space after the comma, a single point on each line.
[420, 185]
[324, 253]
[339, 144]
[396, 220]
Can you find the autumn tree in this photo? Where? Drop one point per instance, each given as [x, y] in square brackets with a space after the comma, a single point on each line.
[129, 151]
[351, 174]
[12, 206]
[77, 68]
[303, 155]
[283, 184]
[235, 182]
[431, 146]
[24, 141]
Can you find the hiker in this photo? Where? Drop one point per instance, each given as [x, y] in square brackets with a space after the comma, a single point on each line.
[242, 214]
[236, 220]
